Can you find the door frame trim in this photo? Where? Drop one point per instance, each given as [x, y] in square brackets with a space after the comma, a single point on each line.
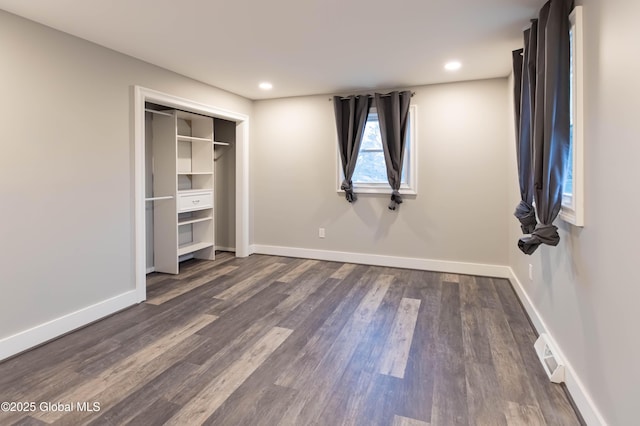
[142, 95]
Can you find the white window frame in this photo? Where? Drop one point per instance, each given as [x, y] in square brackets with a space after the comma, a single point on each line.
[573, 204]
[411, 185]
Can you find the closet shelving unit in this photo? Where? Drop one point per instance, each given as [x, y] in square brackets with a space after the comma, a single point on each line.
[183, 178]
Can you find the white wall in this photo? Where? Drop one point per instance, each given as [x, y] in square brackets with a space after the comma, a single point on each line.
[587, 289]
[66, 169]
[458, 214]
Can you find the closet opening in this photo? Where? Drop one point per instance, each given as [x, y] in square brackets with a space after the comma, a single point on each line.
[191, 171]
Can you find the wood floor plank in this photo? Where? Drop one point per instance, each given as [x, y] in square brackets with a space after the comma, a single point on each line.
[209, 400]
[316, 349]
[507, 360]
[184, 287]
[451, 278]
[356, 387]
[331, 367]
[304, 300]
[297, 271]
[263, 408]
[248, 285]
[485, 404]
[524, 415]
[406, 421]
[450, 390]
[344, 271]
[29, 421]
[146, 397]
[474, 331]
[233, 322]
[486, 292]
[156, 414]
[382, 402]
[309, 279]
[328, 327]
[418, 385]
[396, 355]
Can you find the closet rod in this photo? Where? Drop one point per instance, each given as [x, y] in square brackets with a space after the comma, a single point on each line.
[168, 197]
[158, 112]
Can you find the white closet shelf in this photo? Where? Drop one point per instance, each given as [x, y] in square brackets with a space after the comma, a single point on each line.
[168, 197]
[195, 173]
[220, 143]
[190, 220]
[194, 139]
[194, 191]
[191, 247]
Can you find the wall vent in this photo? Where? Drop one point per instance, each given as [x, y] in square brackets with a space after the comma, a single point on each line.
[552, 364]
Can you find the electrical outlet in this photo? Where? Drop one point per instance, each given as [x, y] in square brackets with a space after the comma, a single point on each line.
[531, 272]
[321, 232]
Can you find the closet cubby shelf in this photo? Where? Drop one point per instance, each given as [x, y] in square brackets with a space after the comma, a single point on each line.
[192, 247]
[192, 220]
[195, 173]
[193, 139]
[194, 191]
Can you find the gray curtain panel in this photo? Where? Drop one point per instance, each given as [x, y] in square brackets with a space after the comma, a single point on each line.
[393, 116]
[351, 116]
[550, 121]
[523, 83]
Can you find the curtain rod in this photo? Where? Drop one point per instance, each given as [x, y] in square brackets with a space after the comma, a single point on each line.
[371, 96]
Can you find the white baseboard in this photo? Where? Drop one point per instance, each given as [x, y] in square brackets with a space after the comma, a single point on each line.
[497, 271]
[19, 342]
[579, 394]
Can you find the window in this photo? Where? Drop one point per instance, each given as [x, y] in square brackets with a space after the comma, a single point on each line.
[572, 191]
[370, 175]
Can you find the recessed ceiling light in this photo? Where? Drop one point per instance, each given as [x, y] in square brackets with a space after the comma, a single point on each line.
[265, 85]
[452, 66]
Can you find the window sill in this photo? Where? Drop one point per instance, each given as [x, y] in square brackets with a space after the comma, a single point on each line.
[571, 217]
[372, 189]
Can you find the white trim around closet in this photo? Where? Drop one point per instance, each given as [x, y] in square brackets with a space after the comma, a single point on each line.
[142, 95]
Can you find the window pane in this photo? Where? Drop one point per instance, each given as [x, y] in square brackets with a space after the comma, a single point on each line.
[567, 188]
[370, 168]
[371, 137]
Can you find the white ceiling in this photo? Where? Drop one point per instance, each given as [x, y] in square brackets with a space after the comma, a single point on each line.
[303, 47]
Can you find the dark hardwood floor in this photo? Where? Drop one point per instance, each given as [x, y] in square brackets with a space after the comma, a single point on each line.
[268, 340]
